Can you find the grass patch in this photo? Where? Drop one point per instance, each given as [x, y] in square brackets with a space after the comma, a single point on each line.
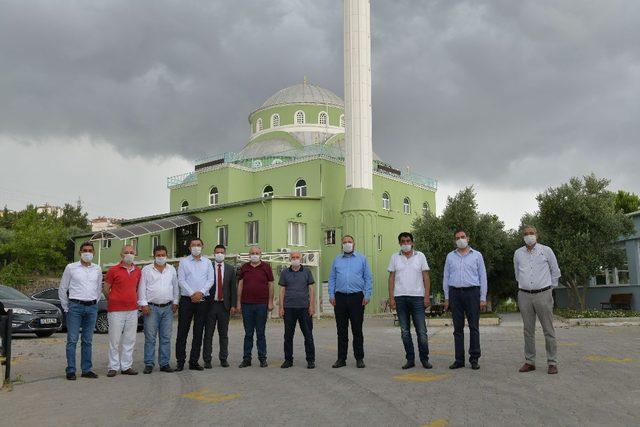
[487, 315]
[569, 313]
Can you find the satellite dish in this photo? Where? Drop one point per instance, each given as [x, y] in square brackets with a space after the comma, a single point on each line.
[256, 164]
[276, 161]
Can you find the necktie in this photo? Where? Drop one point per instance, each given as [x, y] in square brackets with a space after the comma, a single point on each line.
[219, 282]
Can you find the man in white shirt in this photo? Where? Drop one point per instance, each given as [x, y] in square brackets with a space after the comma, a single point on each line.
[537, 273]
[195, 278]
[79, 292]
[158, 296]
[409, 293]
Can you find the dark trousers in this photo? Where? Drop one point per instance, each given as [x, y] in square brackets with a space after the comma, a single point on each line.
[254, 319]
[349, 308]
[301, 316]
[218, 315]
[466, 302]
[187, 312]
[411, 309]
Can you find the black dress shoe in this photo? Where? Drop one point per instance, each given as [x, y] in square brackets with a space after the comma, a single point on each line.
[147, 369]
[166, 368]
[287, 364]
[456, 365]
[311, 365]
[263, 364]
[224, 363]
[475, 366]
[195, 367]
[89, 374]
[71, 377]
[245, 363]
[410, 364]
[426, 364]
[339, 363]
[360, 363]
[208, 365]
[180, 367]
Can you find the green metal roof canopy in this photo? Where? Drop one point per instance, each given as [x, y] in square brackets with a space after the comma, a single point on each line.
[144, 228]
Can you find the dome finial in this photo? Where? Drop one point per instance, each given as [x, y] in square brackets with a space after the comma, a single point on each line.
[305, 81]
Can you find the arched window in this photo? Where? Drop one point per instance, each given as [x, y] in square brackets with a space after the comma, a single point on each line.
[267, 191]
[275, 120]
[213, 196]
[259, 125]
[406, 206]
[342, 121]
[301, 188]
[184, 205]
[425, 208]
[299, 117]
[386, 201]
[323, 118]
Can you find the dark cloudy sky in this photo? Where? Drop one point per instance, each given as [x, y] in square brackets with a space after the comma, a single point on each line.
[104, 99]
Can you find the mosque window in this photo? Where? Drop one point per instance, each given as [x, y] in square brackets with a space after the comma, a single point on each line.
[406, 206]
[297, 233]
[259, 125]
[267, 191]
[330, 237]
[213, 196]
[386, 201]
[322, 118]
[275, 120]
[184, 205]
[299, 117]
[252, 233]
[379, 242]
[301, 188]
[425, 208]
[342, 120]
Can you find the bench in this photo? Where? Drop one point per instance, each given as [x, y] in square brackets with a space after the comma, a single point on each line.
[617, 301]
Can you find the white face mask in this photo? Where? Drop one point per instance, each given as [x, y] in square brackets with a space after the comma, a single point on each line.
[86, 256]
[295, 263]
[406, 248]
[161, 260]
[219, 257]
[196, 250]
[462, 243]
[530, 239]
[347, 247]
[128, 258]
[254, 258]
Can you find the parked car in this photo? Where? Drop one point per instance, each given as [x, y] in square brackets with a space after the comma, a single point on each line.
[102, 324]
[30, 316]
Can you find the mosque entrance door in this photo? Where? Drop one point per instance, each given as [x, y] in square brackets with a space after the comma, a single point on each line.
[183, 237]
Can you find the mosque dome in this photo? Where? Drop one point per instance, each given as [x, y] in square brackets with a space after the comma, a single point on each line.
[303, 93]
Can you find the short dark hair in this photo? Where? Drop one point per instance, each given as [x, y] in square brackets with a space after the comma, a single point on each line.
[160, 248]
[194, 239]
[461, 230]
[404, 234]
[86, 244]
[348, 235]
[220, 247]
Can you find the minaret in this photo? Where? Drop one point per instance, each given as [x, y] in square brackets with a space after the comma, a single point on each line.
[359, 216]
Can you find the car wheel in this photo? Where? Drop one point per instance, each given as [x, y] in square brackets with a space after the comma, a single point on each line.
[102, 323]
[44, 334]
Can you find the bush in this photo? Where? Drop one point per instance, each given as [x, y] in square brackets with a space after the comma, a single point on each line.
[13, 274]
[594, 314]
[507, 306]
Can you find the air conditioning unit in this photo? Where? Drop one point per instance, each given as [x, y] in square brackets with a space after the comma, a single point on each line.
[283, 250]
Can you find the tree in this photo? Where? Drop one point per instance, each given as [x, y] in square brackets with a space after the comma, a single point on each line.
[627, 202]
[580, 222]
[434, 237]
[72, 216]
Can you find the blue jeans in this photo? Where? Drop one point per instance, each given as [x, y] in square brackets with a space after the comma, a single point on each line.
[80, 316]
[412, 308]
[254, 318]
[158, 324]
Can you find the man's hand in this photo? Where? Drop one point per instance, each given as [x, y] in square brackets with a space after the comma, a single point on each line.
[312, 310]
[197, 297]
[365, 301]
[427, 301]
[446, 305]
[145, 310]
[106, 288]
[392, 303]
[281, 312]
[238, 309]
[332, 301]
[232, 311]
[270, 306]
[174, 307]
[483, 305]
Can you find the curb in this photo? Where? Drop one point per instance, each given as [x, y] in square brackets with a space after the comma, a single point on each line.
[605, 321]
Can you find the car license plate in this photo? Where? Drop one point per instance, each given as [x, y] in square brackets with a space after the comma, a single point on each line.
[48, 321]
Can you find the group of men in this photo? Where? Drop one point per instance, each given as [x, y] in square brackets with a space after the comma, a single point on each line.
[205, 293]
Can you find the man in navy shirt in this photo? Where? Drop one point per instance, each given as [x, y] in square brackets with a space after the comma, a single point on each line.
[350, 285]
[297, 306]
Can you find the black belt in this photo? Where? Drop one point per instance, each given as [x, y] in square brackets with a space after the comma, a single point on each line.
[160, 305]
[185, 298]
[350, 293]
[535, 291]
[87, 303]
[465, 289]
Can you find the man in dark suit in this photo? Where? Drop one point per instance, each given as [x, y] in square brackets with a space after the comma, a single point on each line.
[220, 306]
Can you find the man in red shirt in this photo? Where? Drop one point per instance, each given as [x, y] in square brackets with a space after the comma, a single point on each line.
[121, 290]
[255, 299]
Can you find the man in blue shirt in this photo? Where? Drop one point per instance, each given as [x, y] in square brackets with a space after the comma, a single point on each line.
[350, 286]
[465, 289]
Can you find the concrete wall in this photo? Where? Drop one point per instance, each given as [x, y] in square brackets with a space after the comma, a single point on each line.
[598, 294]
